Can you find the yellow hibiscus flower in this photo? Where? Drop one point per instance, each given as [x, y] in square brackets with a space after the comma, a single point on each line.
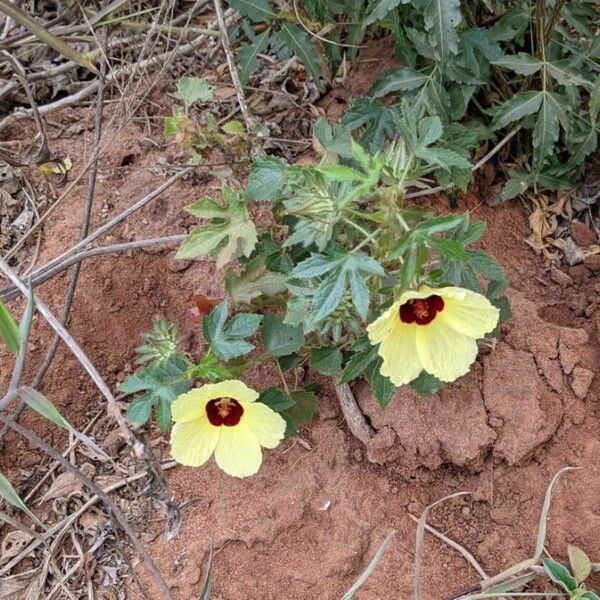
[224, 419]
[432, 329]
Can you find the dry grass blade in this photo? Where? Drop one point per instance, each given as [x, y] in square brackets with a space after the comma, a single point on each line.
[421, 537]
[90, 485]
[371, 567]
[21, 17]
[539, 547]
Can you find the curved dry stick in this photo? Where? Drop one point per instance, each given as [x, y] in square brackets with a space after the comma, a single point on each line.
[354, 417]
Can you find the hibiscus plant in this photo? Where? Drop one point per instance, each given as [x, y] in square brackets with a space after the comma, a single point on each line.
[342, 273]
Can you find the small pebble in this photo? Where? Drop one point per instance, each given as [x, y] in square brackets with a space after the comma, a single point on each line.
[560, 277]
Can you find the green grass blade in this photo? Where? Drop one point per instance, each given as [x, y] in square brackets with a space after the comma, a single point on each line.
[206, 588]
[8, 492]
[44, 407]
[42, 34]
[370, 568]
[9, 332]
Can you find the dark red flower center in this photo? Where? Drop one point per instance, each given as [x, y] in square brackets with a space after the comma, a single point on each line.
[224, 411]
[421, 310]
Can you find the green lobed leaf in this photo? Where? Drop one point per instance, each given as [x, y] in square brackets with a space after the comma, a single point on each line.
[276, 399]
[382, 387]
[302, 412]
[523, 64]
[397, 80]
[564, 74]
[449, 249]
[487, 265]
[442, 18]
[358, 364]
[426, 384]
[255, 281]
[279, 338]
[378, 10]
[326, 360]
[298, 41]
[229, 341]
[258, 11]
[266, 179]
[335, 140]
[9, 331]
[193, 89]
[161, 384]
[517, 107]
[248, 55]
[545, 132]
[231, 234]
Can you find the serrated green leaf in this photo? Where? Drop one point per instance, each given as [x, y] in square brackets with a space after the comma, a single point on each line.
[581, 565]
[439, 224]
[161, 383]
[518, 183]
[378, 10]
[335, 140]
[341, 173]
[233, 128]
[279, 338]
[442, 18]
[9, 331]
[302, 412]
[8, 492]
[517, 107]
[266, 179]
[258, 11]
[255, 281]
[562, 72]
[426, 384]
[559, 574]
[276, 399]
[326, 361]
[449, 249]
[443, 157]
[193, 89]
[487, 265]
[248, 55]
[594, 106]
[397, 80]
[430, 130]
[300, 44]
[358, 364]
[229, 341]
[230, 235]
[382, 387]
[545, 132]
[521, 63]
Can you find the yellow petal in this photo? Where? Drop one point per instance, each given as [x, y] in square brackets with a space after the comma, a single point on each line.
[443, 351]
[238, 451]
[399, 352]
[382, 326]
[264, 423]
[467, 312]
[191, 405]
[193, 442]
